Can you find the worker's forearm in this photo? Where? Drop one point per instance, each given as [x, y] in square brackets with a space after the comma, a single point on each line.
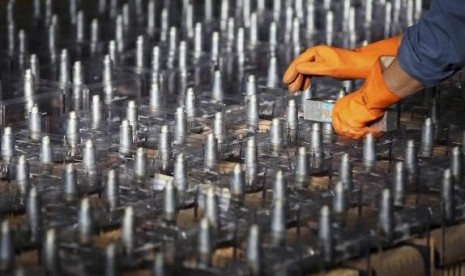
[399, 81]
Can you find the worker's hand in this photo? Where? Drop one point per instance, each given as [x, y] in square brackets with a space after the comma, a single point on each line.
[354, 113]
[337, 63]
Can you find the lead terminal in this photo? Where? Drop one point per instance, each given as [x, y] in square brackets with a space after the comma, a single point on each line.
[254, 250]
[345, 14]
[8, 144]
[329, 27]
[182, 55]
[427, 138]
[296, 36]
[230, 35]
[23, 175]
[80, 27]
[132, 115]
[211, 155]
[345, 172]
[107, 78]
[180, 129]
[64, 68]
[170, 204]
[211, 209]
[205, 243]
[340, 200]
[273, 36]
[240, 41]
[11, 28]
[456, 165]
[34, 64]
[35, 123]
[89, 158]
[316, 150]
[111, 259]
[387, 19]
[399, 183]
[33, 215]
[157, 98]
[52, 41]
[78, 79]
[96, 112]
[128, 230]
[217, 87]
[37, 4]
[368, 12]
[369, 150]
[279, 186]
[325, 234]
[386, 215]
[164, 147]
[277, 5]
[85, 222]
[173, 41]
[253, 30]
[215, 47]
[125, 138]
[224, 12]
[271, 79]
[70, 182]
[113, 51]
[278, 222]
[276, 134]
[409, 13]
[72, 132]
[219, 128]
[140, 164]
[180, 177]
[140, 52]
[7, 250]
[410, 162]
[343, 91]
[302, 165]
[159, 267]
[253, 118]
[189, 19]
[447, 197]
[155, 64]
[164, 25]
[73, 6]
[250, 160]
[246, 10]
[22, 44]
[352, 28]
[307, 94]
[237, 183]
[126, 16]
[190, 104]
[119, 33]
[94, 35]
[50, 254]
[46, 151]
[251, 86]
[292, 120]
[310, 18]
[198, 39]
[112, 189]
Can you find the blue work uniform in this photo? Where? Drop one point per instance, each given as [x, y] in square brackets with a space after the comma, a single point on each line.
[434, 49]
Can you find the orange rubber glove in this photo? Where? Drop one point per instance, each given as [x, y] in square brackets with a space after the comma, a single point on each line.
[353, 113]
[337, 63]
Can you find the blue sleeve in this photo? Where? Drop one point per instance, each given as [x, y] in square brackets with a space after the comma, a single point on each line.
[434, 49]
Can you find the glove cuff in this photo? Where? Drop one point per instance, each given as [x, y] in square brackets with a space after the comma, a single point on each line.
[376, 95]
